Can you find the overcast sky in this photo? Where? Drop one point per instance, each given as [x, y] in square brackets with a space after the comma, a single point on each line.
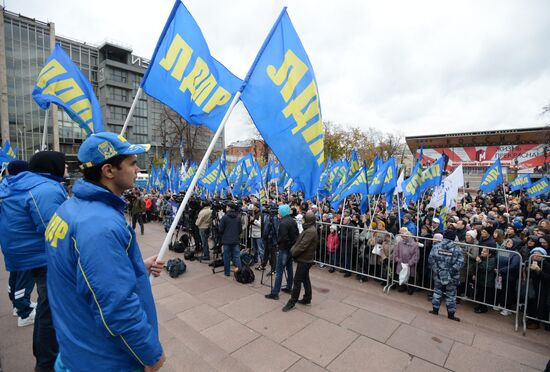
[415, 67]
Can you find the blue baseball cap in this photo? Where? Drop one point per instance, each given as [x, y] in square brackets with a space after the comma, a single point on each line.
[102, 146]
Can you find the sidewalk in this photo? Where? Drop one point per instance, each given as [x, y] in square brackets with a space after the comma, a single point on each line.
[209, 322]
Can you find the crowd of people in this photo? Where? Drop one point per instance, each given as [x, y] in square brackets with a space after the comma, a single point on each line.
[95, 304]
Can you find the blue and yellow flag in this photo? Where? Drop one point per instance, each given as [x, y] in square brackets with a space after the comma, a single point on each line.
[354, 164]
[188, 177]
[280, 94]
[431, 177]
[443, 213]
[385, 178]
[522, 181]
[411, 186]
[357, 184]
[62, 83]
[183, 74]
[540, 187]
[373, 168]
[492, 178]
[7, 154]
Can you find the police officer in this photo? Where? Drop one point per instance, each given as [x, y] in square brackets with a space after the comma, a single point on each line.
[100, 295]
[446, 259]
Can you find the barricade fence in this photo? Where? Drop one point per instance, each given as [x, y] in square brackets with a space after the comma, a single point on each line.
[490, 277]
[536, 288]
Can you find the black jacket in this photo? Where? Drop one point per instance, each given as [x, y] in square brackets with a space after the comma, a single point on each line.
[307, 243]
[288, 233]
[230, 228]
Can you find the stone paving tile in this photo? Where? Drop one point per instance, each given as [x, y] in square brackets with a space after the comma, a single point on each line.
[220, 296]
[468, 358]
[211, 352]
[278, 326]
[202, 317]
[381, 306]
[202, 284]
[179, 302]
[304, 365]
[520, 355]
[181, 358]
[365, 354]
[164, 290]
[441, 325]
[264, 355]
[320, 342]
[249, 308]
[419, 365]
[330, 310]
[422, 344]
[230, 335]
[371, 325]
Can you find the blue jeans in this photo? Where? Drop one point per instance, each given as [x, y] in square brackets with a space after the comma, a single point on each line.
[258, 246]
[204, 239]
[283, 261]
[231, 252]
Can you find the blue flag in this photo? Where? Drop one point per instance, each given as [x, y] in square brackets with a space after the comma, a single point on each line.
[411, 186]
[62, 83]
[432, 176]
[357, 184]
[540, 187]
[492, 178]
[385, 178]
[280, 94]
[183, 75]
[523, 181]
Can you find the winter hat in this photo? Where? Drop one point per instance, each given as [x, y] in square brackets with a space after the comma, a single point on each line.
[438, 237]
[17, 166]
[284, 210]
[472, 233]
[490, 229]
[51, 162]
[449, 234]
[540, 250]
[436, 220]
[333, 228]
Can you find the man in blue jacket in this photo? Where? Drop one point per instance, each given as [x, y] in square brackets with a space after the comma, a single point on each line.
[101, 298]
[28, 201]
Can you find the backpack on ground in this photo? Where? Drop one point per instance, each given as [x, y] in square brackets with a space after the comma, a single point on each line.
[245, 275]
[175, 267]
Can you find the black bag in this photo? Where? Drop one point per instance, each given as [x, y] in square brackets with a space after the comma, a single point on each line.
[216, 263]
[178, 247]
[175, 267]
[189, 255]
[245, 275]
[247, 259]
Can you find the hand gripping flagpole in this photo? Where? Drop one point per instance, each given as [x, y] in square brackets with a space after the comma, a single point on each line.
[194, 181]
[131, 112]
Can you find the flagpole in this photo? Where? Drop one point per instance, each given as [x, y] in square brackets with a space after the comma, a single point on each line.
[131, 112]
[399, 210]
[194, 181]
[343, 210]
[506, 202]
[45, 132]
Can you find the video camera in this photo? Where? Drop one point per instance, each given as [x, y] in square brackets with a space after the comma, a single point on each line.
[270, 209]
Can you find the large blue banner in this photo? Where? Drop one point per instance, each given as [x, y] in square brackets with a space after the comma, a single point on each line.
[523, 181]
[183, 75]
[492, 178]
[280, 94]
[540, 187]
[62, 83]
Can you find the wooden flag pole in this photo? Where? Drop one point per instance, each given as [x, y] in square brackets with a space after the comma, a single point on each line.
[45, 132]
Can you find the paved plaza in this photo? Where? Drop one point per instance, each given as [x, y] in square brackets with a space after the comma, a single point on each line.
[212, 323]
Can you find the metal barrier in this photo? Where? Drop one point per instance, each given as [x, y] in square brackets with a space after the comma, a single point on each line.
[500, 290]
[536, 291]
[354, 251]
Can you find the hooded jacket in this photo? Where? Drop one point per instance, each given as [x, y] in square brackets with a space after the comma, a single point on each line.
[308, 241]
[98, 287]
[27, 202]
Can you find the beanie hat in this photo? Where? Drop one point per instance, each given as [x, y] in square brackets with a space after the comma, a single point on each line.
[51, 162]
[284, 210]
[449, 234]
[17, 166]
[540, 250]
[472, 233]
[490, 230]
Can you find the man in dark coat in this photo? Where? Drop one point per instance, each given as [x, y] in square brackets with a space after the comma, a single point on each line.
[230, 231]
[303, 253]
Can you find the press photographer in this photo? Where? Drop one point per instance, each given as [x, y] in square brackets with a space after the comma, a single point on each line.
[203, 224]
[230, 232]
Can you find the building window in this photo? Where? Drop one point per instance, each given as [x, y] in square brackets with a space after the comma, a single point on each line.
[118, 113]
[118, 75]
[118, 94]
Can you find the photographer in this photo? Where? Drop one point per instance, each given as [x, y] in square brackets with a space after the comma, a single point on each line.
[203, 223]
[230, 231]
[286, 237]
[270, 226]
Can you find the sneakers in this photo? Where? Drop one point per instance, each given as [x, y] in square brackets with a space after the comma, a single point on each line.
[496, 308]
[271, 296]
[27, 321]
[505, 312]
[15, 311]
[33, 305]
